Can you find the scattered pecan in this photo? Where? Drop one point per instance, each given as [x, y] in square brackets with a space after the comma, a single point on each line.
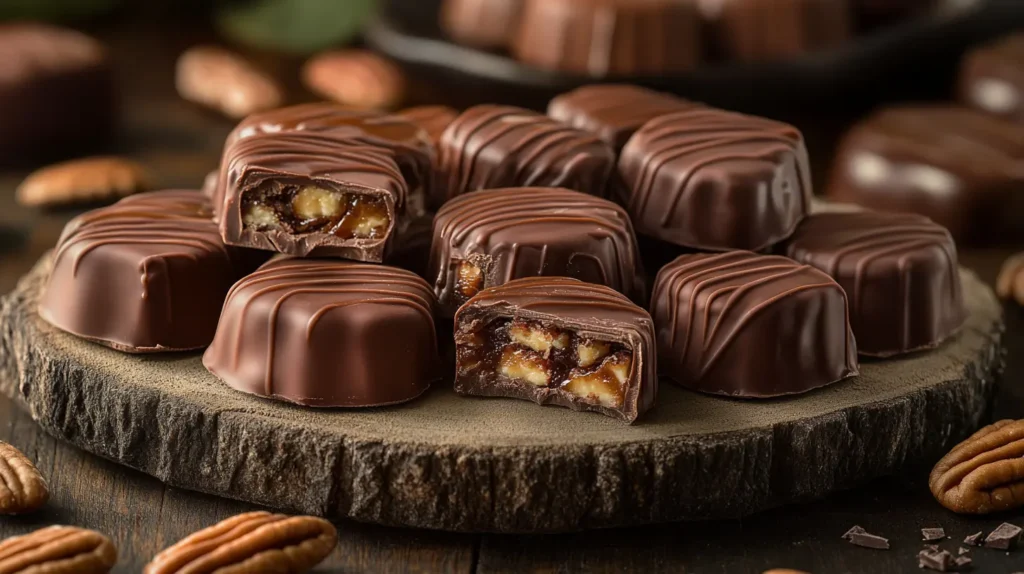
[82, 180]
[1010, 284]
[58, 550]
[226, 82]
[355, 78]
[22, 488]
[252, 542]
[985, 473]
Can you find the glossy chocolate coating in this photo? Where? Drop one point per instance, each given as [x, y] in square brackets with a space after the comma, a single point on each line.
[327, 333]
[765, 30]
[751, 326]
[146, 274]
[594, 310]
[432, 119]
[610, 37]
[293, 158]
[992, 78]
[527, 232]
[961, 168]
[613, 111]
[899, 272]
[492, 146]
[481, 23]
[56, 92]
[715, 180]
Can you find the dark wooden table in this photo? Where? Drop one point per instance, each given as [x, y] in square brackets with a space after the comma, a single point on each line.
[141, 515]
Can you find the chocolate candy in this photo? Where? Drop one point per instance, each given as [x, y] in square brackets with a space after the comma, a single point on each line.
[763, 30]
[610, 37]
[992, 78]
[493, 146]
[327, 333]
[715, 180]
[146, 274]
[958, 167]
[488, 238]
[751, 326]
[899, 272]
[555, 340]
[432, 119]
[411, 249]
[311, 194]
[56, 92]
[613, 111]
[481, 23]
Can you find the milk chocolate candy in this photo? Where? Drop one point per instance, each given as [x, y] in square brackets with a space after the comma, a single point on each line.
[559, 341]
[751, 326]
[961, 168]
[146, 274]
[312, 195]
[327, 333]
[614, 112]
[491, 146]
[481, 23]
[992, 78]
[715, 180]
[432, 119]
[899, 272]
[764, 30]
[491, 237]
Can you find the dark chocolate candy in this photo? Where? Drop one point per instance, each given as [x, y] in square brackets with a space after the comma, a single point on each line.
[327, 333]
[312, 195]
[715, 180]
[481, 23]
[899, 272]
[764, 30]
[432, 119]
[491, 237]
[56, 92]
[610, 37]
[613, 111]
[961, 168]
[992, 78]
[146, 274]
[492, 146]
[751, 326]
[560, 341]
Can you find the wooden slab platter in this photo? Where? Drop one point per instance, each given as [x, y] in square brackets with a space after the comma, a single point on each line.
[453, 463]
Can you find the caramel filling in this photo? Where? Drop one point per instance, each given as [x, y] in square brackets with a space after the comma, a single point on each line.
[469, 280]
[311, 209]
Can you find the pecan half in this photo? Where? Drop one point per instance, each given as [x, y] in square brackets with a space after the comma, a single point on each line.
[225, 81]
[58, 550]
[1010, 284]
[22, 488]
[357, 78]
[985, 473]
[83, 180]
[252, 542]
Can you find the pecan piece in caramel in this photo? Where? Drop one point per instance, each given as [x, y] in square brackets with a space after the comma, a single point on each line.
[985, 473]
[251, 542]
[22, 488]
[58, 550]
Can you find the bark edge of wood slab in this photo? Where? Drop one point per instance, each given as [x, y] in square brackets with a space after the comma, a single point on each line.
[451, 463]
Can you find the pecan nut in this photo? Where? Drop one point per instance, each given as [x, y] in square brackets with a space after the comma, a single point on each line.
[58, 550]
[355, 78]
[252, 542]
[22, 488]
[225, 81]
[985, 473]
[1010, 284]
[81, 181]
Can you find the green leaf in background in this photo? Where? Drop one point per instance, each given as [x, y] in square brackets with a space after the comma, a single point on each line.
[58, 10]
[301, 26]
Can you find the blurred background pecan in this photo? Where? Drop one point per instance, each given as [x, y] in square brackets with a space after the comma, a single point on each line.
[22, 488]
[58, 550]
[985, 473]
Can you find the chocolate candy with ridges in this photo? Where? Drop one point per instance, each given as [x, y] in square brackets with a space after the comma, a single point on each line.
[715, 180]
[327, 333]
[491, 237]
[491, 146]
[751, 326]
[765, 30]
[311, 195]
[992, 78]
[559, 341]
[146, 274]
[432, 119]
[899, 272]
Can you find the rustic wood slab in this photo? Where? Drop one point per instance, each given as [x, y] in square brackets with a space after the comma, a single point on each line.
[453, 463]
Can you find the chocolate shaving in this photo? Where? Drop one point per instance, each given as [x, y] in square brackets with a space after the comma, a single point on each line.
[869, 541]
[930, 534]
[932, 547]
[1004, 537]
[962, 561]
[859, 530]
[941, 561]
[961, 551]
[973, 539]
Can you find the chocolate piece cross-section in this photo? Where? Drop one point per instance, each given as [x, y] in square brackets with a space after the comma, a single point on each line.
[899, 272]
[751, 326]
[992, 78]
[327, 333]
[714, 180]
[491, 146]
[312, 195]
[560, 341]
[491, 237]
[146, 274]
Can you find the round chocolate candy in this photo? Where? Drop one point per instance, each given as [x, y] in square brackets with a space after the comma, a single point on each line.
[899, 272]
[751, 326]
[327, 333]
[490, 237]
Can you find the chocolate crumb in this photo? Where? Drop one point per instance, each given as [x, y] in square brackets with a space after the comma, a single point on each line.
[961, 551]
[941, 561]
[1004, 537]
[973, 539]
[962, 561]
[932, 547]
[866, 540]
[930, 534]
[859, 530]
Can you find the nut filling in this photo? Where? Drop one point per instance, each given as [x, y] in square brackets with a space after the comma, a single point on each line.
[299, 209]
[529, 352]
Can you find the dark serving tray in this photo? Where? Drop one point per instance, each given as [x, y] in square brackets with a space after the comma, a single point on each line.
[908, 60]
